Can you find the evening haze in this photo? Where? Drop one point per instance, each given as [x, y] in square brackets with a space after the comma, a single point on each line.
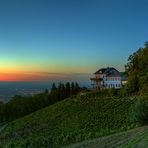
[68, 39]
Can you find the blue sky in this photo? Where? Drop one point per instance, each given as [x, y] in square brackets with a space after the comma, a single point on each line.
[67, 38]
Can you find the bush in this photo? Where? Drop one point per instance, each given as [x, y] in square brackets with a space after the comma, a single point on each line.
[140, 111]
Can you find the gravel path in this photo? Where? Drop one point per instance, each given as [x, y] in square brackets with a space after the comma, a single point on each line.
[137, 138]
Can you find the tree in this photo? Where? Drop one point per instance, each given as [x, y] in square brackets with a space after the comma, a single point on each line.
[61, 91]
[46, 91]
[77, 87]
[72, 88]
[53, 88]
[146, 44]
[137, 70]
[68, 90]
[54, 93]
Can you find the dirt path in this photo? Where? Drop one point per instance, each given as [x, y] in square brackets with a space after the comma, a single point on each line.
[137, 138]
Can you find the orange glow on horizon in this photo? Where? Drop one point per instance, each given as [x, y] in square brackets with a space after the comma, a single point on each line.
[13, 70]
[22, 77]
[38, 76]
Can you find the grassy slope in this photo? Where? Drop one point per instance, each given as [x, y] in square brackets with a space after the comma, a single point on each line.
[69, 121]
[133, 138]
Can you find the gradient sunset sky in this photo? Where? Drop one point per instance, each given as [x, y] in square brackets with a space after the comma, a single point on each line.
[68, 39]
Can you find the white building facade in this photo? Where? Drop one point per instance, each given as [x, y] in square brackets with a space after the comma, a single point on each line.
[106, 78]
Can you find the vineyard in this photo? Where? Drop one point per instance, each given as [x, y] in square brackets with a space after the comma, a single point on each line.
[70, 121]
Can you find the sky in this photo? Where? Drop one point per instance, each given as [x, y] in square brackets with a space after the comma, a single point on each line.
[44, 40]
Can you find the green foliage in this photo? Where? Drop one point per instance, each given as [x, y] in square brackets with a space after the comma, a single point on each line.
[64, 90]
[53, 87]
[22, 105]
[68, 92]
[69, 121]
[112, 92]
[140, 111]
[123, 91]
[137, 70]
[1, 111]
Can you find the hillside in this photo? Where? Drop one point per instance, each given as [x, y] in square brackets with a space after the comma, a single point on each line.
[70, 121]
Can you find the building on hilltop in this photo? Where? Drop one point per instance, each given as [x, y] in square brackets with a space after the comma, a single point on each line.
[106, 78]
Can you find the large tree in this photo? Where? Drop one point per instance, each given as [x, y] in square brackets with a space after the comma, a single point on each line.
[137, 70]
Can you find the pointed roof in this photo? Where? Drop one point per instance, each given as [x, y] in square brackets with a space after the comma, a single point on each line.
[100, 71]
[110, 72]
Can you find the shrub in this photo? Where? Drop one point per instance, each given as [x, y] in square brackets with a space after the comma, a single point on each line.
[140, 111]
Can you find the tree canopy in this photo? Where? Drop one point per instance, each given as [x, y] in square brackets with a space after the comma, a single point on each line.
[20, 106]
[137, 70]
